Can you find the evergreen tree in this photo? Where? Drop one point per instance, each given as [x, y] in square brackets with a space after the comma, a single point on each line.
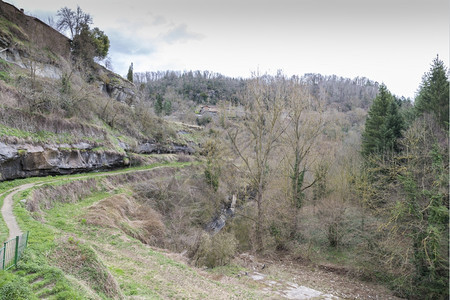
[130, 73]
[433, 94]
[159, 105]
[167, 107]
[383, 125]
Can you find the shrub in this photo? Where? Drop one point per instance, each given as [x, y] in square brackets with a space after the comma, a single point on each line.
[202, 121]
[213, 251]
[5, 76]
[13, 287]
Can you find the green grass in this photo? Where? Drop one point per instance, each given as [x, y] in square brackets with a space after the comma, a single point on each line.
[63, 229]
[41, 242]
[11, 29]
[61, 218]
[39, 136]
[8, 185]
[5, 76]
[64, 216]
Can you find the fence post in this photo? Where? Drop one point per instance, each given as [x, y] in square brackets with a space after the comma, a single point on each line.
[26, 241]
[4, 255]
[16, 251]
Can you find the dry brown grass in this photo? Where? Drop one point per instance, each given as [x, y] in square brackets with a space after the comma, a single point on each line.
[34, 122]
[130, 178]
[46, 196]
[124, 213]
[8, 95]
[80, 260]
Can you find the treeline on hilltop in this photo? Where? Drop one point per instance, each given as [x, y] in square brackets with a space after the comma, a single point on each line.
[204, 87]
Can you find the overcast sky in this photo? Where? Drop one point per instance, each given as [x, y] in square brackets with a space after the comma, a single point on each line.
[390, 41]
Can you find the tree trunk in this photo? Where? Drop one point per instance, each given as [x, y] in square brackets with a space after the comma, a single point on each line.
[259, 238]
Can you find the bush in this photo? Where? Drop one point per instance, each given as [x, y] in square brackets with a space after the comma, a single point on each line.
[5, 76]
[202, 121]
[13, 287]
[214, 251]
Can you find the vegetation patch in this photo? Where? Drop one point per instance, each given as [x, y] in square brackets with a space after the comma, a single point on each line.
[123, 212]
[80, 260]
[14, 287]
[214, 251]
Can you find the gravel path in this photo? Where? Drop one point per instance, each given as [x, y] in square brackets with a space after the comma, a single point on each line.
[7, 211]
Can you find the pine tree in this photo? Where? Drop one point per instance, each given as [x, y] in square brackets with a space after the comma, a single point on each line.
[159, 105]
[383, 125]
[130, 73]
[433, 96]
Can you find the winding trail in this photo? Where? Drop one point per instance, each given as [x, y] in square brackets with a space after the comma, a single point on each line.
[7, 208]
[7, 211]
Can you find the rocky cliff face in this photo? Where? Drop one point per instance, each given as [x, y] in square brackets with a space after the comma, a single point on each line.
[156, 148]
[26, 160]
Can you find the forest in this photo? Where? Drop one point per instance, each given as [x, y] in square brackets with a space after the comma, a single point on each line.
[323, 164]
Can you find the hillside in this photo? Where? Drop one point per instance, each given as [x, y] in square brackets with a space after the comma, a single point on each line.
[59, 116]
[194, 185]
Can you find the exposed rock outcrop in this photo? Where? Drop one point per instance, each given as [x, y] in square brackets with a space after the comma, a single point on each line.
[115, 86]
[26, 160]
[153, 147]
[219, 222]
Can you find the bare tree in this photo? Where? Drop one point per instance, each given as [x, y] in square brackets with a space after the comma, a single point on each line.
[255, 140]
[305, 124]
[72, 20]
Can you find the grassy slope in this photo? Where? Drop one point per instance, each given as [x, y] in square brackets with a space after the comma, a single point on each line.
[137, 269]
[7, 186]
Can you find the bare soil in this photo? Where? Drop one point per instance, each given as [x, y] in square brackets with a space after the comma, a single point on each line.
[294, 279]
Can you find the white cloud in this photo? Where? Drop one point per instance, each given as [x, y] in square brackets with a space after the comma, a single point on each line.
[388, 41]
[180, 33]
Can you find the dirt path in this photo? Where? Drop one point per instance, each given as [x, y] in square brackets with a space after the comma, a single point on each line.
[7, 211]
[7, 208]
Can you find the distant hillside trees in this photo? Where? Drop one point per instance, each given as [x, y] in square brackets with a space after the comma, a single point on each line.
[433, 94]
[198, 87]
[344, 94]
[162, 107]
[87, 44]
